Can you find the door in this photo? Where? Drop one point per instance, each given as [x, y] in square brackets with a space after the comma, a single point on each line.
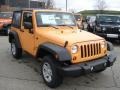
[27, 33]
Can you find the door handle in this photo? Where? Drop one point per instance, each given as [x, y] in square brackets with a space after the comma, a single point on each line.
[37, 38]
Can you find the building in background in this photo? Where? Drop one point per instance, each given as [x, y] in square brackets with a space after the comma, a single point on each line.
[37, 4]
[10, 5]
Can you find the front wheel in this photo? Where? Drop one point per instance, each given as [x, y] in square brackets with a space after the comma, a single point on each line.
[49, 73]
[16, 52]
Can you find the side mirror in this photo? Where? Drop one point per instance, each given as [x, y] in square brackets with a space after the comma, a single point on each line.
[28, 25]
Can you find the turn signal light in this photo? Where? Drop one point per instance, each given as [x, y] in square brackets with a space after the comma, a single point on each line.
[74, 58]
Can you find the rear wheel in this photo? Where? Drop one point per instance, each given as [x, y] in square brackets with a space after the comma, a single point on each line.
[49, 73]
[16, 52]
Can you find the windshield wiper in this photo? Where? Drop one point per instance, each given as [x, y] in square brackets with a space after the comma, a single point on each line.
[48, 25]
[66, 25]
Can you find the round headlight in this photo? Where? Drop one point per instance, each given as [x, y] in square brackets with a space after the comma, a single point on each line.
[74, 49]
[119, 30]
[103, 44]
[103, 28]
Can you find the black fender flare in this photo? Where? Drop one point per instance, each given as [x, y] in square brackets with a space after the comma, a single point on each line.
[61, 52]
[14, 35]
[109, 46]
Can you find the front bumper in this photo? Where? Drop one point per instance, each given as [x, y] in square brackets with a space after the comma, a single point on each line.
[87, 67]
[105, 35]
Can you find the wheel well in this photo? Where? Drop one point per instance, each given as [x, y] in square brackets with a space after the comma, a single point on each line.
[42, 52]
[11, 37]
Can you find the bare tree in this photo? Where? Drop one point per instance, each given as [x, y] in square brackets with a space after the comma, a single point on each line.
[100, 5]
[49, 4]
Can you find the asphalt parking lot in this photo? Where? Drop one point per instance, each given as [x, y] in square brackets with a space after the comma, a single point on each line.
[24, 74]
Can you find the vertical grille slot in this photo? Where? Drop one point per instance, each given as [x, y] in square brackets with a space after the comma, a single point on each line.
[85, 51]
[82, 51]
[94, 49]
[90, 50]
[99, 48]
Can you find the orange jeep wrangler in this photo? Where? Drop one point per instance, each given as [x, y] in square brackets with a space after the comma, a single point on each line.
[5, 22]
[64, 50]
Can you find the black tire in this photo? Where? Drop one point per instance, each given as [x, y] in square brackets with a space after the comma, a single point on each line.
[16, 52]
[99, 71]
[56, 78]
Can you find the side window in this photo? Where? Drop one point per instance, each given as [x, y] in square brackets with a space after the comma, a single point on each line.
[27, 18]
[16, 22]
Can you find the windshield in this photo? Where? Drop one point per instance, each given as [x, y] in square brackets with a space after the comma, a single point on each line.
[109, 19]
[55, 18]
[92, 19]
[5, 15]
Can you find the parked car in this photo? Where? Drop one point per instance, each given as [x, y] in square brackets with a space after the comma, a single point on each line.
[5, 22]
[79, 20]
[64, 49]
[107, 26]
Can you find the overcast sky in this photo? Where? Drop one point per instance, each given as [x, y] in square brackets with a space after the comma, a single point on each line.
[80, 5]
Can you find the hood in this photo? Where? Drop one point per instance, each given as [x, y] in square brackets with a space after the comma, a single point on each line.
[72, 36]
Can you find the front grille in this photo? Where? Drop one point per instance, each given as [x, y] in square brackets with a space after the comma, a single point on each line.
[90, 50]
[112, 30]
